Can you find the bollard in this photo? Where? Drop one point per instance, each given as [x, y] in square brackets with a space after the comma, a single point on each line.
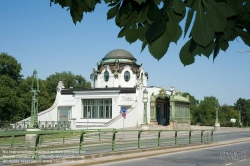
[202, 136]
[212, 136]
[139, 139]
[81, 141]
[190, 137]
[175, 138]
[36, 157]
[159, 137]
[99, 135]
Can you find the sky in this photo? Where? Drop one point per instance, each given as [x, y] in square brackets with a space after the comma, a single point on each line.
[45, 38]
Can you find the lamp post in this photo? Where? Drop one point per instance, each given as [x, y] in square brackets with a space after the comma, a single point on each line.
[217, 124]
[241, 51]
[145, 101]
[239, 109]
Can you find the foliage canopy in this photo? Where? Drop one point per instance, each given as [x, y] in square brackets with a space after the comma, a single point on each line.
[156, 23]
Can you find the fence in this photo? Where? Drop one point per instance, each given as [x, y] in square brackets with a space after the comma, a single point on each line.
[73, 143]
[43, 125]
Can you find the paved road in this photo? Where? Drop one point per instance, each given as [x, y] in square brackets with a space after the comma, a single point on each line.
[168, 138]
[236, 154]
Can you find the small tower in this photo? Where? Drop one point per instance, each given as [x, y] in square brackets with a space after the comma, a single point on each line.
[34, 102]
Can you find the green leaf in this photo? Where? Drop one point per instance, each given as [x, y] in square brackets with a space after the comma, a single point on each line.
[244, 36]
[90, 3]
[188, 20]
[142, 17]
[141, 32]
[248, 7]
[130, 19]
[112, 12]
[153, 11]
[112, 4]
[224, 45]
[139, 1]
[155, 30]
[217, 46]
[179, 7]
[173, 27]
[224, 9]
[144, 44]
[186, 56]
[227, 33]
[157, 2]
[215, 18]
[201, 31]
[124, 31]
[208, 50]
[107, 1]
[160, 46]
[75, 16]
[132, 35]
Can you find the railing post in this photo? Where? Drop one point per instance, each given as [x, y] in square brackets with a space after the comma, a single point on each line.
[139, 139]
[81, 141]
[113, 140]
[175, 138]
[63, 137]
[46, 123]
[53, 125]
[6, 126]
[159, 137]
[202, 136]
[36, 157]
[190, 137]
[41, 139]
[99, 135]
[212, 136]
[12, 140]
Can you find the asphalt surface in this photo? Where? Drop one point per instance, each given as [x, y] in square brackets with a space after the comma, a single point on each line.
[235, 154]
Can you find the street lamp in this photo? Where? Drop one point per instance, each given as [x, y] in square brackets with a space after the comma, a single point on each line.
[145, 101]
[217, 124]
[239, 109]
[241, 51]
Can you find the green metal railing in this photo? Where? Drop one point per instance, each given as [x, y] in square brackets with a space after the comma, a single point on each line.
[81, 142]
[43, 125]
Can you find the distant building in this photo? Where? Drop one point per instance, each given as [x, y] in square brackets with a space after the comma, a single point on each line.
[118, 83]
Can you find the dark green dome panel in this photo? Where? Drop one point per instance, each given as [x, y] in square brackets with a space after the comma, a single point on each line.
[119, 54]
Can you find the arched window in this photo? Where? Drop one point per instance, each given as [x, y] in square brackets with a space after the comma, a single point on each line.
[126, 76]
[106, 76]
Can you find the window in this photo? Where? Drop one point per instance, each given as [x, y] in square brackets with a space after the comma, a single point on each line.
[97, 108]
[126, 76]
[106, 76]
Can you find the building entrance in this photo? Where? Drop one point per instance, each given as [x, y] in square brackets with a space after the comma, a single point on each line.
[162, 111]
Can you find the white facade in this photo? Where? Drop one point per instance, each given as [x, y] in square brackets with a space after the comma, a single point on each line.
[101, 106]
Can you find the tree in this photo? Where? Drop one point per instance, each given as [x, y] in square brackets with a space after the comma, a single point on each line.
[245, 110]
[156, 23]
[206, 115]
[226, 113]
[10, 78]
[69, 80]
